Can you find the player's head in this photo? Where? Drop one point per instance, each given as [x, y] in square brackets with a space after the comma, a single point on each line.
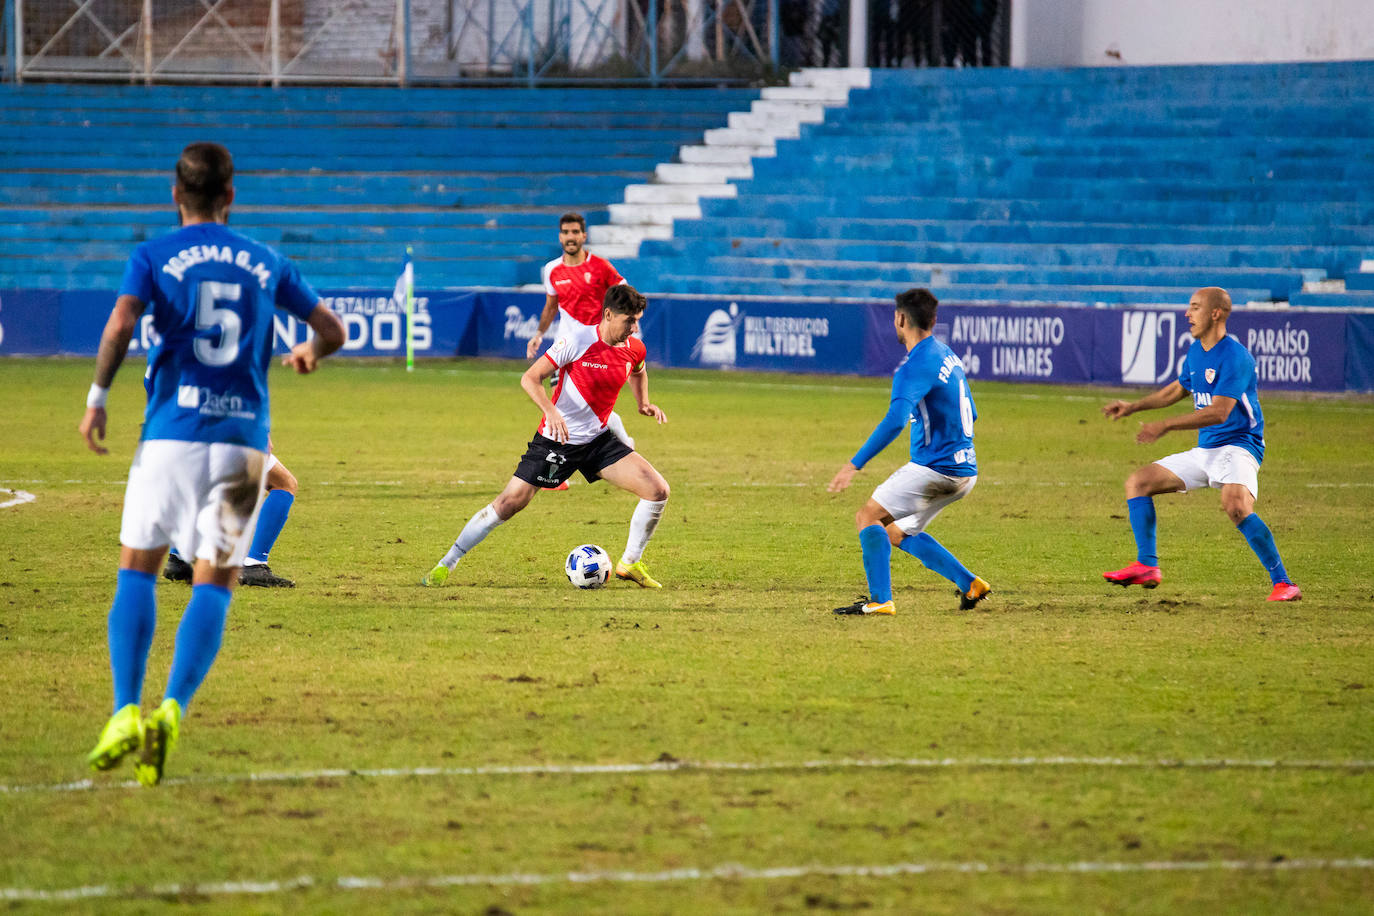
[205, 182]
[1208, 307]
[572, 232]
[620, 313]
[917, 306]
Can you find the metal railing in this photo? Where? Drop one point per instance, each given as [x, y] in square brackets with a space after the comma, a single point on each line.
[526, 42]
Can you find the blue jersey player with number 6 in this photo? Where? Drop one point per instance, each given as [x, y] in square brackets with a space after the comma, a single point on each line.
[197, 476]
[929, 391]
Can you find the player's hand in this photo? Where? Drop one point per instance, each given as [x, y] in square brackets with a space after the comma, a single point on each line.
[532, 347]
[1116, 410]
[92, 427]
[302, 358]
[653, 410]
[555, 427]
[1151, 431]
[840, 482]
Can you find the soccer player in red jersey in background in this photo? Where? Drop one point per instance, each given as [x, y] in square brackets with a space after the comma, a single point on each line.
[575, 285]
[594, 365]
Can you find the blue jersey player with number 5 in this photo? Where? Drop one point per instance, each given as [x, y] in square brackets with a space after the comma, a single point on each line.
[197, 476]
[929, 391]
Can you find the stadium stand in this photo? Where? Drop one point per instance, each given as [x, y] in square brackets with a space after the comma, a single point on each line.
[1100, 185]
[340, 179]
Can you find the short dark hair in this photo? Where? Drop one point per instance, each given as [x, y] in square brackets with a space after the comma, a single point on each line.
[205, 173]
[624, 299]
[571, 217]
[919, 305]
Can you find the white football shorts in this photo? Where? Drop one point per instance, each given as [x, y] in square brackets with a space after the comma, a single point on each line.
[1212, 467]
[200, 497]
[915, 494]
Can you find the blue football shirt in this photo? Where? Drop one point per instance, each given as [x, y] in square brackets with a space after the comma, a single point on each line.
[930, 390]
[211, 292]
[1228, 370]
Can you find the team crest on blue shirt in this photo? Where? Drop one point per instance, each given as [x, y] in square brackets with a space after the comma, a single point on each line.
[1210, 374]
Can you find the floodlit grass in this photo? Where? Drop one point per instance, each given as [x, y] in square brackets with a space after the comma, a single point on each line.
[737, 660]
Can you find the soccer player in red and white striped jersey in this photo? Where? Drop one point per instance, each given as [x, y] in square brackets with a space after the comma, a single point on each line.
[575, 285]
[593, 366]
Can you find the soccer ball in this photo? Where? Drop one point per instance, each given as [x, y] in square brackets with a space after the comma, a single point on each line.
[588, 566]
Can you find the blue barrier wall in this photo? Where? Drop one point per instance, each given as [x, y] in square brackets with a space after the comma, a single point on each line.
[1295, 349]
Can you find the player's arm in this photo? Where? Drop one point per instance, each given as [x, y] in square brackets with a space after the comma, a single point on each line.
[555, 427]
[1171, 393]
[639, 387]
[114, 346]
[887, 430]
[1214, 413]
[329, 336]
[545, 319]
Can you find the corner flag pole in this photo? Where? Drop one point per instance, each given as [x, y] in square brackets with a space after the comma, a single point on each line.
[408, 277]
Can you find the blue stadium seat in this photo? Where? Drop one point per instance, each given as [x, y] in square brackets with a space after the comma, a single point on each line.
[340, 179]
[1099, 185]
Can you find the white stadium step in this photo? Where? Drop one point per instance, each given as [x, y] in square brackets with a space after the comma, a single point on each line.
[693, 173]
[724, 155]
[676, 193]
[653, 215]
[628, 234]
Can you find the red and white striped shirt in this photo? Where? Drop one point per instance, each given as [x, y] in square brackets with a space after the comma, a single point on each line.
[590, 376]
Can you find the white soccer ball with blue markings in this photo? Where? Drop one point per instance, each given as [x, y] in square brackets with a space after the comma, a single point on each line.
[588, 566]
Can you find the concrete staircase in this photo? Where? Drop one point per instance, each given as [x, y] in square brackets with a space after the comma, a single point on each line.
[725, 155]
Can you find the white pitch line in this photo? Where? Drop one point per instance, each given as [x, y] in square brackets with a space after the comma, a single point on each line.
[20, 497]
[726, 872]
[689, 766]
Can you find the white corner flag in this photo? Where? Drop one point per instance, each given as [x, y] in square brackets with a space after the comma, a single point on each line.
[404, 295]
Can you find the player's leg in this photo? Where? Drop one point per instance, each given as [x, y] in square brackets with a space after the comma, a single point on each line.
[152, 509]
[635, 474]
[1168, 475]
[276, 506]
[875, 548]
[1238, 492]
[131, 622]
[230, 495]
[932, 493]
[516, 496]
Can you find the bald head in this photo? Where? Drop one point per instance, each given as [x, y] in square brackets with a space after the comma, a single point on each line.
[1214, 297]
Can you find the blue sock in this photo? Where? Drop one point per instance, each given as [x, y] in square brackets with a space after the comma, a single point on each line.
[198, 640]
[133, 616]
[937, 559]
[1261, 541]
[276, 506]
[1142, 512]
[877, 562]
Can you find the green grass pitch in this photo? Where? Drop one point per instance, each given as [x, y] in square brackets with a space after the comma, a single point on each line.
[1055, 707]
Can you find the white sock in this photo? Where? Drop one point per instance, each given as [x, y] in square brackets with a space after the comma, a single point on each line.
[478, 527]
[642, 525]
[617, 426]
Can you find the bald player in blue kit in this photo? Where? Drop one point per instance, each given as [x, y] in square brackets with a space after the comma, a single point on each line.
[1220, 376]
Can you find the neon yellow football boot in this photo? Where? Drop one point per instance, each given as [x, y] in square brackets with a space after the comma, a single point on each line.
[636, 572]
[160, 736]
[436, 576]
[121, 736]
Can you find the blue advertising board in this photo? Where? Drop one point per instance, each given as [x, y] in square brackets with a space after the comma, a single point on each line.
[1295, 349]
